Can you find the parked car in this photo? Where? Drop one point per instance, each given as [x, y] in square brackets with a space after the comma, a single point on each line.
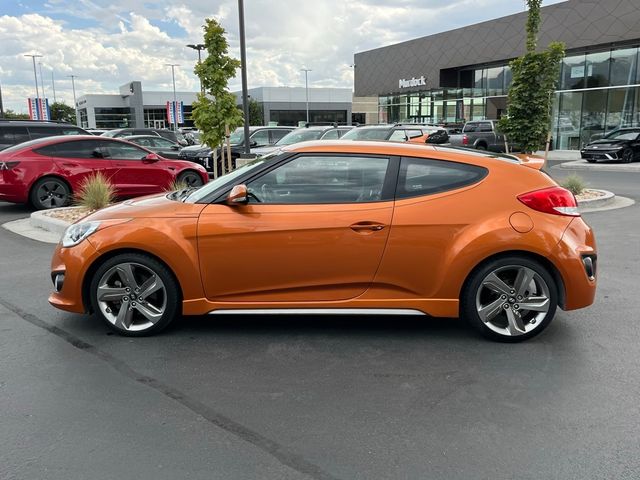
[13, 132]
[200, 154]
[258, 137]
[481, 135]
[47, 172]
[622, 144]
[434, 135]
[160, 145]
[174, 136]
[305, 134]
[398, 132]
[96, 131]
[339, 227]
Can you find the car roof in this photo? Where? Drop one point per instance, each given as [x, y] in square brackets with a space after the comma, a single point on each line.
[34, 123]
[154, 137]
[435, 152]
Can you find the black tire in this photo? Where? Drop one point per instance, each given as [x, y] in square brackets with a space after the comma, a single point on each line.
[50, 192]
[191, 178]
[481, 146]
[592, 160]
[163, 303]
[477, 296]
[627, 155]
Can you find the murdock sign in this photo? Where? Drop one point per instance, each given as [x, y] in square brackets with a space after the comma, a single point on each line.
[414, 82]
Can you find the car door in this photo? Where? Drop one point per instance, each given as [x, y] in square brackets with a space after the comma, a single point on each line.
[259, 138]
[314, 229]
[133, 175]
[77, 159]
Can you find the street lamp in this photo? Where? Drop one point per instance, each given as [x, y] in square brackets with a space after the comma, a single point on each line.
[175, 102]
[75, 103]
[306, 88]
[35, 75]
[243, 70]
[44, 95]
[199, 47]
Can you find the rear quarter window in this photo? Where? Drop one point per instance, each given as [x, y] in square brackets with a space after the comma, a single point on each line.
[424, 177]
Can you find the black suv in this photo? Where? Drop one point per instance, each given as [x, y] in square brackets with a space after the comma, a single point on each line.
[175, 137]
[13, 132]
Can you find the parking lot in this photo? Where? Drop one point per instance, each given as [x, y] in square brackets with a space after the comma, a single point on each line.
[323, 398]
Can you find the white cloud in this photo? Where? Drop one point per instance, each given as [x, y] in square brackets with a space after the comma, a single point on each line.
[109, 44]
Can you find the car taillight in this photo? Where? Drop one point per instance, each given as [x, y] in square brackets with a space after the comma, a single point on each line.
[465, 140]
[8, 165]
[554, 200]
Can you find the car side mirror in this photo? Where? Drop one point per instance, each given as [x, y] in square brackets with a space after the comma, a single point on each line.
[238, 194]
[151, 158]
[253, 143]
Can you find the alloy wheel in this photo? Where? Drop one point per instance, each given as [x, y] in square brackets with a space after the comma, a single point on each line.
[52, 194]
[131, 296]
[513, 300]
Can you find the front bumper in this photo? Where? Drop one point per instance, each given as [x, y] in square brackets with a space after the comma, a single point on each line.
[602, 155]
[72, 263]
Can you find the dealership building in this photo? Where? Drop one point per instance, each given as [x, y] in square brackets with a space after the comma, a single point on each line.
[464, 74]
[134, 107]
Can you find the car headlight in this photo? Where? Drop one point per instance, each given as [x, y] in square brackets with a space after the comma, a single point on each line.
[77, 232]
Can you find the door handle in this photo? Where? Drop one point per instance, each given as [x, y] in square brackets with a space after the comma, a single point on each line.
[367, 227]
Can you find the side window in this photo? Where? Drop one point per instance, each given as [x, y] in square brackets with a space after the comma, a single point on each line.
[71, 131]
[470, 127]
[260, 138]
[143, 142]
[331, 135]
[398, 136]
[485, 127]
[322, 179]
[41, 132]
[80, 149]
[341, 132]
[122, 151]
[277, 134]
[13, 135]
[161, 142]
[423, 177]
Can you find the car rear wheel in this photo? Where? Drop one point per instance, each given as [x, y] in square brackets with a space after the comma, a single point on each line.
[135, 295]
[481, 146]
[50, 192]
[190, 178]
[510, 299]
[627, 156]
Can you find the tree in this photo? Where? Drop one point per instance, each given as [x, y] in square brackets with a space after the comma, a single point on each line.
[62, 112]
[216, 108]
[256, 113]
[11, 115]
[535, 77]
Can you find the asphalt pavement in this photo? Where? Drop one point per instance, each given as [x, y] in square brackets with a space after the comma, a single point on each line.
[323, 398]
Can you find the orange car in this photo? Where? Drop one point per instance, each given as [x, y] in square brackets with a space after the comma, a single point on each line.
[339, 227]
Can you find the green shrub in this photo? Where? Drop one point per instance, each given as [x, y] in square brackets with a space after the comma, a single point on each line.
[96, 192]
[176, 185]
[574, 183]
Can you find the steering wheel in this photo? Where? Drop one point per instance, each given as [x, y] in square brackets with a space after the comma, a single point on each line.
[253, 195]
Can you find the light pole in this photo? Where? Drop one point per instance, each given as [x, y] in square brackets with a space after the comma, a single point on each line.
[44, 95]
[35, 75]
[306, 88]
[245, 96]
[199, 47]
[175, 103]
[53, 85]
[75, 104]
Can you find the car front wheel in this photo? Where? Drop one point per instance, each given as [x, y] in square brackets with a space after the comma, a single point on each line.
[190, 179]
[510, 299]
[627, 156]
[135, 295]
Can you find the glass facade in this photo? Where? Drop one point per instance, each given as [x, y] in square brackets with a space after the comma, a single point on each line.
[598, 92]
[114, 117]
[157, 117]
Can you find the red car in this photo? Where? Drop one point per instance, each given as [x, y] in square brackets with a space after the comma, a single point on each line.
[47, 171]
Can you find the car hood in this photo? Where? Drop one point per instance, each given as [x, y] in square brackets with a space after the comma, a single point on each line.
[606, 143]
[151, 206]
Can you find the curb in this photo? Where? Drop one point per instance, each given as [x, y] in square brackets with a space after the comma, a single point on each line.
[600, 167]
[603, 201]
[40, 220]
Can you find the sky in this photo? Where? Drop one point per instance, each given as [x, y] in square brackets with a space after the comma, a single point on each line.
[107, 43]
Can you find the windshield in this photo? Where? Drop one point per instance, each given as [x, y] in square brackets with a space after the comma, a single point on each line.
[299, 136]
[622, 135]
[213, 185]
[366, 134]
[237, 137]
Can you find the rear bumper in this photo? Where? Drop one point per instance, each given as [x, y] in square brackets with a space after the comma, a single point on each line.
[579, 275]
[12, 189]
